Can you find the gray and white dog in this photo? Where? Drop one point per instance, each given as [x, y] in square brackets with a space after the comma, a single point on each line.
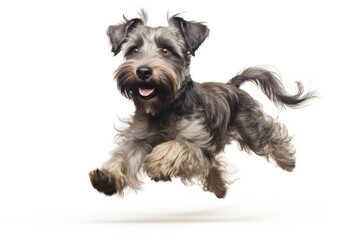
[180, 126]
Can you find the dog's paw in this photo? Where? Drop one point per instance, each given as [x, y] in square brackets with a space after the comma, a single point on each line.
[103, 182]
[156, 170]
[157, 177]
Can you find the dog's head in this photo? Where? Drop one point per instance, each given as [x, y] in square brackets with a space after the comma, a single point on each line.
[156, 59]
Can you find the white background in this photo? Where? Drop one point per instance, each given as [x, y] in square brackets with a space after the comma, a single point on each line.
[58, 106]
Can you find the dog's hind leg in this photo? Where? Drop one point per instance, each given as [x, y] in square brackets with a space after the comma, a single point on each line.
[263, 135]
[215, 180]
[280, 147]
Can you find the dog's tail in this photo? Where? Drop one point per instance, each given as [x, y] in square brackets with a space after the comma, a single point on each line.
[271, 85]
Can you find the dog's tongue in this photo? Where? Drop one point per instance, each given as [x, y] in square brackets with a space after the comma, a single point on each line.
[146, 91]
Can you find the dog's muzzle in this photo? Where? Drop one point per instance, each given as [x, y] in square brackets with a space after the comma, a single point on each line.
[147, 88]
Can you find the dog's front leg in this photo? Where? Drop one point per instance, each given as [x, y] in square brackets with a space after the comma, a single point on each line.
[176, 158]
[121, 170]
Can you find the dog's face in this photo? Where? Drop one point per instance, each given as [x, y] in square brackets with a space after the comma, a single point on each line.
[156, 59]
[154, 67]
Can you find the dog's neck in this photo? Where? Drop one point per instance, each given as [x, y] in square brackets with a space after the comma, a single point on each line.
[187, 98]
[183, 105]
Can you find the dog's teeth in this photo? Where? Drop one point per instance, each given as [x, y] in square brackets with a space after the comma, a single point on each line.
[146, 91]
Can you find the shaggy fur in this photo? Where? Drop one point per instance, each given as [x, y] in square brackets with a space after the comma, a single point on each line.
[180, 126]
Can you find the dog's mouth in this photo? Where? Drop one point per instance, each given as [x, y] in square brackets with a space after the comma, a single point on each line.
[146, 90]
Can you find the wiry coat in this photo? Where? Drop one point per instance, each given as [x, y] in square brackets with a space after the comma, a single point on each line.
[180, 126]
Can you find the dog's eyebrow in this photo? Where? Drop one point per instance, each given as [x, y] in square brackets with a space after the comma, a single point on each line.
[166, 43]
[138, 41]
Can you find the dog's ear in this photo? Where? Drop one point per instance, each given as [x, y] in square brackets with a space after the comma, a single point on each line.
[194, 33]
[118, 33]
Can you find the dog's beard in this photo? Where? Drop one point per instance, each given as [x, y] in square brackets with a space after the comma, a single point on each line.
[157, 91]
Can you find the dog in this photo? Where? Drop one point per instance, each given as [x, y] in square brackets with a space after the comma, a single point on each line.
[180, 126]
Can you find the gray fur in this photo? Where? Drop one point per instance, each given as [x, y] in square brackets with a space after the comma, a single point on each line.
[180, 126]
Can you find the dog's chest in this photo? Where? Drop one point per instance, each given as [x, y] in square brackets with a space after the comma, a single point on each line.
[185, 129]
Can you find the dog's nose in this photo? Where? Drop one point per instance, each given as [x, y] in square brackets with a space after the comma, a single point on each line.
[143, 73]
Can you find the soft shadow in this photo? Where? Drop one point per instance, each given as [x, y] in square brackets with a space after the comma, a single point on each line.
[198, 216]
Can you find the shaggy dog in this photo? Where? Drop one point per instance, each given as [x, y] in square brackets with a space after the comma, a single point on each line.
[180, 126]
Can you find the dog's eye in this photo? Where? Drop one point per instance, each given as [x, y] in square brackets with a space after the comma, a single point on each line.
[132, 50]
[166, 52]
[135, 50]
